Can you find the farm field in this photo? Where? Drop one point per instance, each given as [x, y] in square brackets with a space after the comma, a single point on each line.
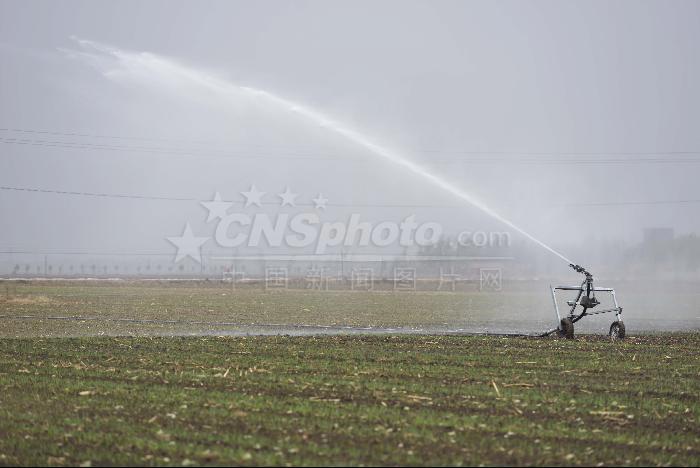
[118, 308]
[386, 400]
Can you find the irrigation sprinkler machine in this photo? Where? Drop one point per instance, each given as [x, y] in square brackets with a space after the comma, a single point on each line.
[585, 300]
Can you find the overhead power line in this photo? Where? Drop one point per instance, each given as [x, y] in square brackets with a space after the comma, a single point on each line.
[250, 155]
[95, 194]
[346, 205]
[281, 153]
[92, 135]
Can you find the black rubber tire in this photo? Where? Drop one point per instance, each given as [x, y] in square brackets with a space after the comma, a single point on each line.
[566, 328]
[617, 331]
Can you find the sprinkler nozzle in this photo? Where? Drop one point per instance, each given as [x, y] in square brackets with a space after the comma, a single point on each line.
[580, 269]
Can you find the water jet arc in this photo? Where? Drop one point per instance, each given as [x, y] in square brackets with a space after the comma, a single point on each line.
[134, 64]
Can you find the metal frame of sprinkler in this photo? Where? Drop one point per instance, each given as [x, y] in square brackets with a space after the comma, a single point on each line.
[585, 298]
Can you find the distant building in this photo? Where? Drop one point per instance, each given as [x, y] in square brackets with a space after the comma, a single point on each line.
[657, 235]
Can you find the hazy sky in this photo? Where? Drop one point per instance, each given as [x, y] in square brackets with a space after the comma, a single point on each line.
[528, 105]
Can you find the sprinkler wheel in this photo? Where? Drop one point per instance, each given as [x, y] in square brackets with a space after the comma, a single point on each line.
[566, 328]
[617, 330]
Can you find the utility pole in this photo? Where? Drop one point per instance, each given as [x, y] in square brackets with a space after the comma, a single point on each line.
[342, 264]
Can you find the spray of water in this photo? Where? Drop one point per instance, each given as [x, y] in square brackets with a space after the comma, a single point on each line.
[119, 64]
